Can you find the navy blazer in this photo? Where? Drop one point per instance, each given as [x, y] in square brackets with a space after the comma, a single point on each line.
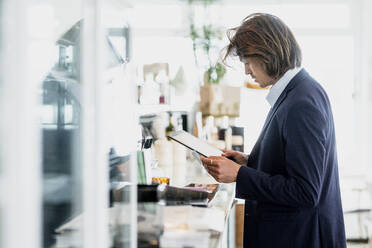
[291, 183]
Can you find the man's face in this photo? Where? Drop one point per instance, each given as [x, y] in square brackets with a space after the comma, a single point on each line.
[254, 68]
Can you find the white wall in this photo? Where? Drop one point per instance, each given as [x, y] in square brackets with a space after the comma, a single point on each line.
[365, 97]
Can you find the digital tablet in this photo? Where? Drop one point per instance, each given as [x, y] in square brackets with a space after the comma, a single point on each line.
[193, 143]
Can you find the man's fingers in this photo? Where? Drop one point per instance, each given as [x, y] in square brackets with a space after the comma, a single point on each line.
[213, 162]
[225, 153]
[212, 168]
[229, 154]
[204, 160]
[213, 174]
[215, 158]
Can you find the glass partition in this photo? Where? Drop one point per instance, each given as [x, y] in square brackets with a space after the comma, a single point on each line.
[121, 128]
[67, 133]
[61, 140]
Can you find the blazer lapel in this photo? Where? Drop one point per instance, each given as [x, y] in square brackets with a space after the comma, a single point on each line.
[271, 114]
[273, 110]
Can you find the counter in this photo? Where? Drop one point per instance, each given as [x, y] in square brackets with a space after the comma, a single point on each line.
[190, 226]
[163, 226]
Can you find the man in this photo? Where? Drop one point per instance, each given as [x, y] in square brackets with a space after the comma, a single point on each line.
[290, 179]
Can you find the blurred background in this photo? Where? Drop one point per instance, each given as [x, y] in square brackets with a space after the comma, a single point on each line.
[89, 89]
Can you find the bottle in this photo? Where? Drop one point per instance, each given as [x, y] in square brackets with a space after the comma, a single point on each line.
[228, 138]
[158, 176]
[163, 81]
[159, 125]
[198, 126]
[150, 91]
[223, 125]
[225, 133]
[170, 128]
[209, 128]
[162, 96]
[179, 124]
[163, 154]
[237, 138]
[133, 75]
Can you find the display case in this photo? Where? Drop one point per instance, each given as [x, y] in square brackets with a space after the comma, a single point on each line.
[88, 73]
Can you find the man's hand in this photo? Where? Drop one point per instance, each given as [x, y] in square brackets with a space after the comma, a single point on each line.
[222, 169]
[237, 157]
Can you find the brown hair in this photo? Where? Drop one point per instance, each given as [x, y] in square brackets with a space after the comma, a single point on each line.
[269, 39]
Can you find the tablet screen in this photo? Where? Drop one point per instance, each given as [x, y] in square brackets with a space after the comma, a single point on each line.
[198, 145]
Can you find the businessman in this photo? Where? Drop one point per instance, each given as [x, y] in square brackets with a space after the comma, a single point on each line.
[290, 179]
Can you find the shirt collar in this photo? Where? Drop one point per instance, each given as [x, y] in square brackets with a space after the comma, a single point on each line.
[277, 89]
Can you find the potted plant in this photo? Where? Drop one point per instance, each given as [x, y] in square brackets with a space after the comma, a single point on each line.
[205, 44]
[215, 99]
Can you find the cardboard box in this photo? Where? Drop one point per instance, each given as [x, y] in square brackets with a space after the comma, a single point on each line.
[220, 100]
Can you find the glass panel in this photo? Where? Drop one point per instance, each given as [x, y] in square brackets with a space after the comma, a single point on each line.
[1, 136]
[61, 126]
[1, 89]
[121, 129]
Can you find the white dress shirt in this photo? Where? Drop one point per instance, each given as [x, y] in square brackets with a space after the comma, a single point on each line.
[280, 85]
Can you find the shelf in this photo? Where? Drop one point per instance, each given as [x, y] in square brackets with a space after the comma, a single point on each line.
[158, 108]
[152, 109]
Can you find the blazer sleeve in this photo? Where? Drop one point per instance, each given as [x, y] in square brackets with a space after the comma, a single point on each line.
[304, 135]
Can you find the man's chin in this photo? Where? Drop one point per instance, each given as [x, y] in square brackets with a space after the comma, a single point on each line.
[263, 85]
